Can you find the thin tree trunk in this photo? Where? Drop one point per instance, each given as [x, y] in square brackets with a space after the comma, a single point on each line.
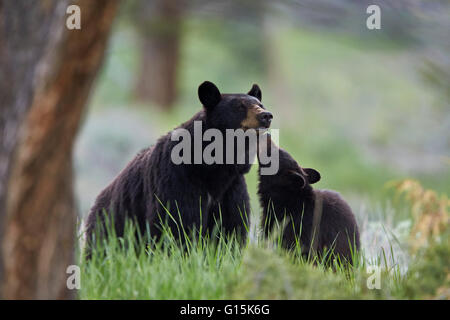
[41, 216]
[160, 27]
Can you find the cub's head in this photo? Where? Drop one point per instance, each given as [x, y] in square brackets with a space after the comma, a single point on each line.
[290, 175]
[234, 111]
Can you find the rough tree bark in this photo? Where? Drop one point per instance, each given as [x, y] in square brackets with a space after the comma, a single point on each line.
[160, 24]
[41, 216]
[24, 34]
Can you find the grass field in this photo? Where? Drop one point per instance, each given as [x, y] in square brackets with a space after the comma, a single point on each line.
[258, 270]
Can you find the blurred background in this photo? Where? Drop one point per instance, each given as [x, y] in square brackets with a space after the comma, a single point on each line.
[363, 107]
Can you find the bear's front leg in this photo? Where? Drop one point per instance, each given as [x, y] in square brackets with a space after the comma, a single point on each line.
[232, 213]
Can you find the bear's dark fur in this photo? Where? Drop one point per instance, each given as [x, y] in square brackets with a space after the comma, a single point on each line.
[192, 193]
[317, 219]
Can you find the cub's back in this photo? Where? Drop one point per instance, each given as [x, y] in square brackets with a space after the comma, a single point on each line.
[338, 224]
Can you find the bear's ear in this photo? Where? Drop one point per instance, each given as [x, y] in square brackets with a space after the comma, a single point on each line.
[297, 178]
[313, 175]
[208, 94]
[255, 91]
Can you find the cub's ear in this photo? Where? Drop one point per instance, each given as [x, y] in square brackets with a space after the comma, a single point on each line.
[313, 175]
[208, 94]
[297, 178]
[255, 91]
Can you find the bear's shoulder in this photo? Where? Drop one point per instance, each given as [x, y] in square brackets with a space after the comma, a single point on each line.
[189, 124]
[329, 194]
[333, 202]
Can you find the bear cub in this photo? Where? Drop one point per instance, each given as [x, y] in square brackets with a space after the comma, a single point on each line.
[320, 220]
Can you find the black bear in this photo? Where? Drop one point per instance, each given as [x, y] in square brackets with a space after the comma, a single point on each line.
[153, 189]
[319, 220]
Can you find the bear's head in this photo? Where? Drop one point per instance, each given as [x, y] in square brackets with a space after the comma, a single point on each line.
[290, 175]
[233, 111]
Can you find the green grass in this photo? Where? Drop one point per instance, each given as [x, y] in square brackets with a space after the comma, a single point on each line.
[122, 268]
[160, 271]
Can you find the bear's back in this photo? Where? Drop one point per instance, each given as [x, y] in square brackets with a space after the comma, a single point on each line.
[338, 224]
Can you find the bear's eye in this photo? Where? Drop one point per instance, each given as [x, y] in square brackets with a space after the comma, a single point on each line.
[242, 107]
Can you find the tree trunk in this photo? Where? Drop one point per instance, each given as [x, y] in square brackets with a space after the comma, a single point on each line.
[25, 30]
[41, 218]
[160, 27]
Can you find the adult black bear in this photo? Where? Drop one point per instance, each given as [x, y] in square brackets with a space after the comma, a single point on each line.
[317, 219]
[198, 195]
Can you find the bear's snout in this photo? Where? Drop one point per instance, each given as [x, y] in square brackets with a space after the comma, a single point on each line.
[265, 118]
